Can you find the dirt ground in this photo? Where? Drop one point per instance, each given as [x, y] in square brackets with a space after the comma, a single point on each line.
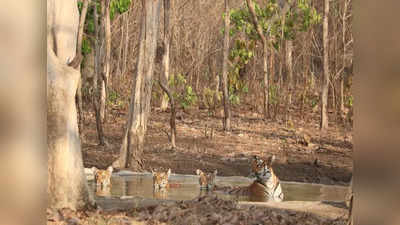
[201, 143]
[202, 210]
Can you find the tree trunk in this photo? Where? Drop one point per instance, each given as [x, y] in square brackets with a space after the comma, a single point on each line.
[289, 64]
[132, 144]
[125, 58]
[79, 53]
[67, 186]
[96, 79]
[227, 111]
[173, 114]
[266, 83]
[105, 46]
[325, 87]
[344, 57]
[107, 59]
[167, 37]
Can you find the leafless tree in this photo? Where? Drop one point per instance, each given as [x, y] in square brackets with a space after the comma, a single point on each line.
[139, 110]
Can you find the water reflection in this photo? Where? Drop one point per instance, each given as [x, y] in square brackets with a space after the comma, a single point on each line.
[187, 187]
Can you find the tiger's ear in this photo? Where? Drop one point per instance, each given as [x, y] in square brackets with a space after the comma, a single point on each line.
[169, 172]
[110, 169]
[198, 171]
[270, 160]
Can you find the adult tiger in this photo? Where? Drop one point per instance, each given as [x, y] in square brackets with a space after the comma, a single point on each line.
[266, 185]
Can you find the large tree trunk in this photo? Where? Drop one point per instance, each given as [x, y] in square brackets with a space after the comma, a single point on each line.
[22, 113]
[325, 87]
[132, 144]
[67, 186]
[227, 111]
[167, 37]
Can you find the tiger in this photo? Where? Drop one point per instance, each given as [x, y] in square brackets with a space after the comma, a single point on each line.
[160, 180]
[103, 177]
[265, 186]
[206, 180]
[103, 181]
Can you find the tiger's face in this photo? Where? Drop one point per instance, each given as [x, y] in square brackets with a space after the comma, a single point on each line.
[206, 180]
[262, 168]
[160, 179]
[103, 177]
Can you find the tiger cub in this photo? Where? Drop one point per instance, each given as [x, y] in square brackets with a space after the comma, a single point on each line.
[160, 180]
[206, 180]
[103, 181]
[103, 177]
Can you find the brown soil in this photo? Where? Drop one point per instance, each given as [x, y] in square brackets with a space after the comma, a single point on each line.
[327, 158]
[202, 210]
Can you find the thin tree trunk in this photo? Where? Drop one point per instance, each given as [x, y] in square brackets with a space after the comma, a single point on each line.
[125, 58]
[289, 64]
[96, 88]
[250, 5]
[105, 56]
[325, 87]
[271, 77]
[285, 8]
[121, 43]
[79, 53]
[227, 111]
[167, 37]
[173, 114]
[344, 57]
[133, 141]
[266, 83]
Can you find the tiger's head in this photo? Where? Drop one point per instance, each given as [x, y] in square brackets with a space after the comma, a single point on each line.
[206, 180]
[261, 168]
[103, 177]
[160, 179]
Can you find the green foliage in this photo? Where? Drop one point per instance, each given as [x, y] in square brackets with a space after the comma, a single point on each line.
[115, 99]
[188, 98]
[181, 91]
[349, 101]
[273, 94]
[301, 18]
[80, 5]
[234, 99]
[119, 6]
[208, 97]
[86, 49]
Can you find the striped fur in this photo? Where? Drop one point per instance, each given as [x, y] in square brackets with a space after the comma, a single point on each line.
[265, 186]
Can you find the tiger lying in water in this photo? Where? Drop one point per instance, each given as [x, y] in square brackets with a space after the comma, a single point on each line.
[102, 179]
[160, 184]
[160, 180]
[265, 186]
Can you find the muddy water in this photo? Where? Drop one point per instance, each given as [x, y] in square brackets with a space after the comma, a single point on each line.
[186, 187]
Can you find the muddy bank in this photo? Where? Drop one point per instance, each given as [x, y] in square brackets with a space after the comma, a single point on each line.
[326, 159]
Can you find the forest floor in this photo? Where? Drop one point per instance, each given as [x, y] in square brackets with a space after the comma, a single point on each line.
[327, 159]
[201, 143]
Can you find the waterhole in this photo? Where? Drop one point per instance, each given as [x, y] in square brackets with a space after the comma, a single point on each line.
[186, 187]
